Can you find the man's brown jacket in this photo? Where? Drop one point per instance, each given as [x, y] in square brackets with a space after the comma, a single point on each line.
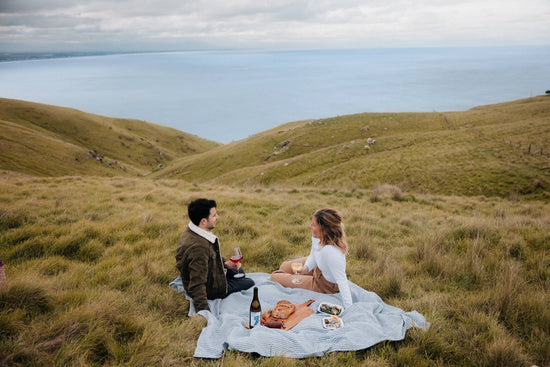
[201, 268]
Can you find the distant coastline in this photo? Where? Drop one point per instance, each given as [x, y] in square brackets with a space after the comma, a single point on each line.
[22, 56]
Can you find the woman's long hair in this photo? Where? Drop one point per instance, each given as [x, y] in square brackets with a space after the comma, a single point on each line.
[330, 221]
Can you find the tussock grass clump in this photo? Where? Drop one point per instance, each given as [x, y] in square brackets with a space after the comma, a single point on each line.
[473, 232]
[435, 346]
[364, 251]
[381, 192]
[388, 279]
[505, 352]
[13, 219]
[53, 266]
[30, 298]
[27, 250]
[12, 321]
[99, 347]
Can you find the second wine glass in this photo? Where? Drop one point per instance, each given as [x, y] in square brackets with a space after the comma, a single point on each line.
[296, 268]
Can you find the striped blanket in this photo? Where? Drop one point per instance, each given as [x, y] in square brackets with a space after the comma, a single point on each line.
[367, 322]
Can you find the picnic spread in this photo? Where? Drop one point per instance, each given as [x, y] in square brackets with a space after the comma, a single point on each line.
[286, 320]
[311, 329]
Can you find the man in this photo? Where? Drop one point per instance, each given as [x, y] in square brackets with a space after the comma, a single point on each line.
[204, 272]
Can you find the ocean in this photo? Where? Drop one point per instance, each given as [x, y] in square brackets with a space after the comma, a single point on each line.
[229, 95]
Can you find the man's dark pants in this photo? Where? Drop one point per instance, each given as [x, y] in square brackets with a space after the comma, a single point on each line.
[237, 284]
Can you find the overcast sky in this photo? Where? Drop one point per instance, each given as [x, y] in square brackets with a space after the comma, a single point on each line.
[144, 25]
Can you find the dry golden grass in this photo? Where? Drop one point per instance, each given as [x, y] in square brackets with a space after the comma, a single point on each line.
[89, 260]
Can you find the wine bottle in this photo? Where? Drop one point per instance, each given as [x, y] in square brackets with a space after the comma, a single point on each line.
[255, 315]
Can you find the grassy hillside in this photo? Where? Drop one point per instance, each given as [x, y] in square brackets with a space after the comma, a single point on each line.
[89, 259]
[47, 140]
[496, 150]
[434, 208]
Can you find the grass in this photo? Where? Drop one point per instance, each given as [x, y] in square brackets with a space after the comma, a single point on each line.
[89, 260]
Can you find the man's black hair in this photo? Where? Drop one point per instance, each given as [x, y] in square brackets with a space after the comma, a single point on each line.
[199, 209]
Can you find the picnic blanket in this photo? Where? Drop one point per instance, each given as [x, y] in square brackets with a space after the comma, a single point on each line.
[367, 322]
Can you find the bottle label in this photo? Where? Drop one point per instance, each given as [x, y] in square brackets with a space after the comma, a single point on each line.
[255, 319]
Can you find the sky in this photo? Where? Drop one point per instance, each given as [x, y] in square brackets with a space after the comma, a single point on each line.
[170, 25]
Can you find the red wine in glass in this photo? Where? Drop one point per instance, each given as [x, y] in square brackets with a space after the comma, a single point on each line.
[237, 257]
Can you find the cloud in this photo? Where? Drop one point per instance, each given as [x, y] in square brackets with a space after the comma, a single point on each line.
[158, 24]
[32, 6]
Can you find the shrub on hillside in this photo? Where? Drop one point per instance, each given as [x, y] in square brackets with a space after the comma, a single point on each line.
[381, 192]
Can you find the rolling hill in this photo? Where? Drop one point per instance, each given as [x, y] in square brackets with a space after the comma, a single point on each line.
[494, 150]
[46, 140]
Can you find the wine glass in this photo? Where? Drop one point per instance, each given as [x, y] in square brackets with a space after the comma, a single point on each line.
[296, 268]
[236, 259]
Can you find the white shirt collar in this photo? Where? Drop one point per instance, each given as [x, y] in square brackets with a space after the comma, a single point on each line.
[209, 236]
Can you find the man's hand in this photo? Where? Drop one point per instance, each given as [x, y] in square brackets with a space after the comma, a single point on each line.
[231, 265]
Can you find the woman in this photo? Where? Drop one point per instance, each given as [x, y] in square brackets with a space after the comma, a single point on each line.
[324, 270]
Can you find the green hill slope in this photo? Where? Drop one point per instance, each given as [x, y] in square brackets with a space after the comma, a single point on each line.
[47, 140]
[495, 150]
